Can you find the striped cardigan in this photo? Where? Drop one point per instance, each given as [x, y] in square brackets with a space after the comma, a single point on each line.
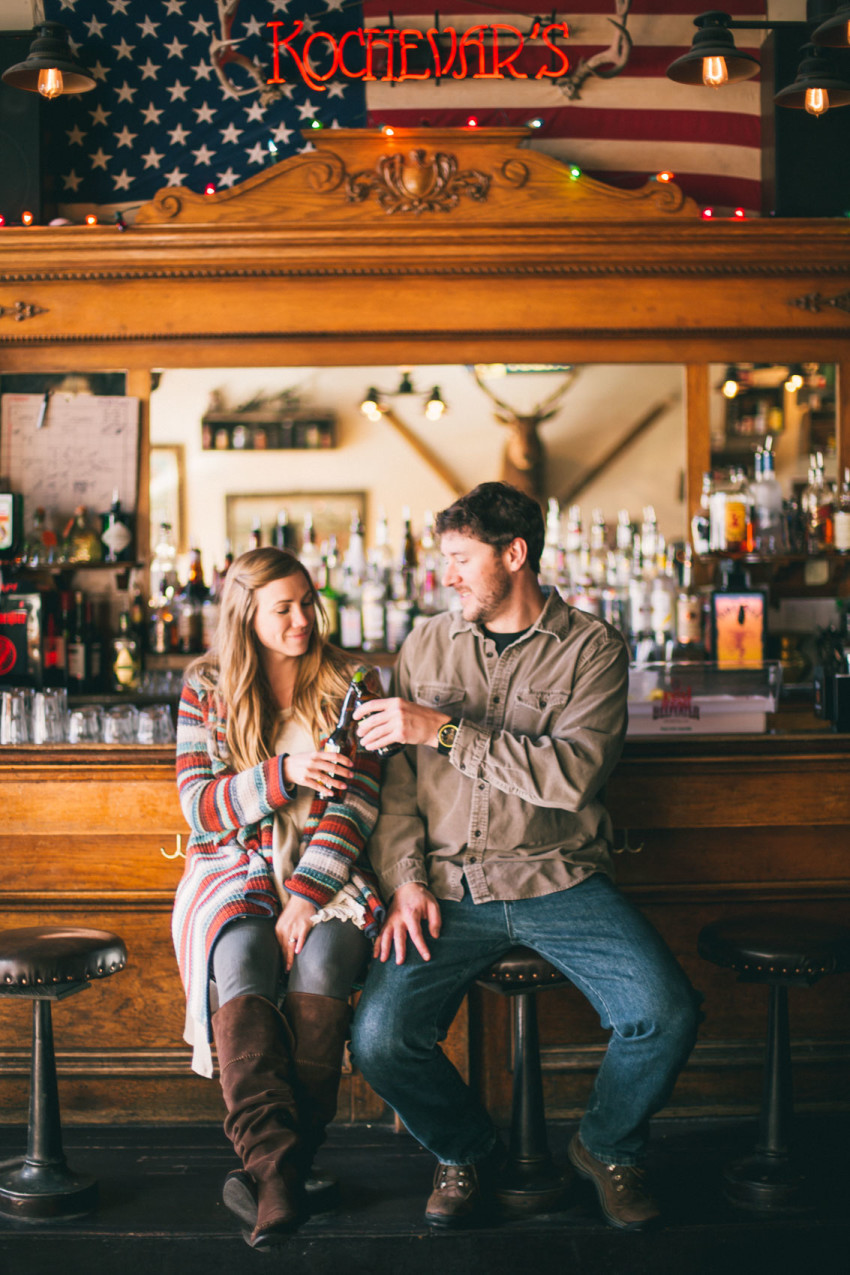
[228, 872]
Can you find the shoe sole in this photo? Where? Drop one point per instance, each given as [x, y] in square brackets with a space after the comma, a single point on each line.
[239, 1199]
[609, 1218]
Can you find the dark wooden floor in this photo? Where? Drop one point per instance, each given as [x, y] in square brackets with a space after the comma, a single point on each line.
[160, 1212]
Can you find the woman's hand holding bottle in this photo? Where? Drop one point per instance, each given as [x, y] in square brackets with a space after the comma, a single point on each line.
[323, 770]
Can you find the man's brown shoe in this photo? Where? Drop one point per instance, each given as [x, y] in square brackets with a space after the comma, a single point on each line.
[622, 1193]
[456, 1195]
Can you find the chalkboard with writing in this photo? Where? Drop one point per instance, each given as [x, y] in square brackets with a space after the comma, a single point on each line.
[64, 450]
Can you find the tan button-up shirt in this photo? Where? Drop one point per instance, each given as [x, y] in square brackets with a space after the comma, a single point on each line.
[514, 807]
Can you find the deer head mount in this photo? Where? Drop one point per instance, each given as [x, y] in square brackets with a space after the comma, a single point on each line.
[524, 456]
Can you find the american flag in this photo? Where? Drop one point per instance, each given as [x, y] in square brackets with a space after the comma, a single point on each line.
[182, 96]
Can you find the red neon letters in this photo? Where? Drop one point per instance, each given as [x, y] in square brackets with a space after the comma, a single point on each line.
[408, 54]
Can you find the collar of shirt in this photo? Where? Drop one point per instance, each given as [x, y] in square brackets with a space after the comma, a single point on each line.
[554, 618]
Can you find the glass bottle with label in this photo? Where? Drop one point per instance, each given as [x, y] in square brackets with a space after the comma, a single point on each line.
[82, 543]
[117, 534]
[329, 589]
[364, 693]
[11, 525]
[78, 654]
[311, 554]
[126, 663]
[841, 517]
[373, 604]
[163, 574]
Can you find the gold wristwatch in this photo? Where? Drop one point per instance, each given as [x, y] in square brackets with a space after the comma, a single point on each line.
[446, 736]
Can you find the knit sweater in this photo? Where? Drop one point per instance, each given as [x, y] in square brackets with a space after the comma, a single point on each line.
[228, 872]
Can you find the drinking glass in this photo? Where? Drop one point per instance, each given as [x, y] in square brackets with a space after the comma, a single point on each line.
[85, 724]
[50, 715]
[16, 716]
[156, 725]
[121, 724]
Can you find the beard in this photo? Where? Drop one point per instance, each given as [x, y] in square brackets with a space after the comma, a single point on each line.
[494, 592]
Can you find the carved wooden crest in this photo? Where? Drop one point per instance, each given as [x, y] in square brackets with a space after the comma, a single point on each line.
[413, 182]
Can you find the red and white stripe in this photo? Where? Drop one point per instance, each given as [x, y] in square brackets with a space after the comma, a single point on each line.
[621, 130]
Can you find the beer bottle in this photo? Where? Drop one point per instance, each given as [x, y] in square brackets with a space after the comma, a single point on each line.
[364, 693]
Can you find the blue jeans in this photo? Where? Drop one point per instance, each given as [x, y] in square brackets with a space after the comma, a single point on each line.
[594, 935]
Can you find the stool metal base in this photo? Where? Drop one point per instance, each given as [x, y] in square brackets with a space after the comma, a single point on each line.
[543, 1193]
[35, 1192]
[765, 1183]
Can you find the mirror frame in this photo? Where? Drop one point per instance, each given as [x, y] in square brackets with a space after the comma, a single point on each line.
[433, 246]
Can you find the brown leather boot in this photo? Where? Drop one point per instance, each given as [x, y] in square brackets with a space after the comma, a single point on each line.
[254, 1050]
[319, 1026]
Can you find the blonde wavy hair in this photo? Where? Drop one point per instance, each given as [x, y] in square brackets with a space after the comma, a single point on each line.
[233, 670]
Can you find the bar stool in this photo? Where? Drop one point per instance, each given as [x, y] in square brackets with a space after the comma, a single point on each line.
[783, 952]
[531, 1182]
[45, 964]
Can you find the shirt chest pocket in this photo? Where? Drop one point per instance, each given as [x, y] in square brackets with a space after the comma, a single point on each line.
[535, 712]
[446, 697]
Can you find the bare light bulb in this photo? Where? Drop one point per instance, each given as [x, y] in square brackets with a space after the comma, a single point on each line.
[817, 101]
[714, 72]
[730, 388]
[50, 82]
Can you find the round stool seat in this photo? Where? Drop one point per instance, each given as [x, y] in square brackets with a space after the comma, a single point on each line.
[47, 957]
[769, 948]
[519, 970]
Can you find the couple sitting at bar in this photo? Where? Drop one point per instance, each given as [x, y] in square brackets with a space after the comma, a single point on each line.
[490, 834]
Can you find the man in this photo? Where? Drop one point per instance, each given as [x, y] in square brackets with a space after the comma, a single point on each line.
[491, 833]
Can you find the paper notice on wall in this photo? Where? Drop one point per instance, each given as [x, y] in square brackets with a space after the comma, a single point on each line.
[70, 449]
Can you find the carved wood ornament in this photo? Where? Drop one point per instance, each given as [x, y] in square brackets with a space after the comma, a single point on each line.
[414, 182]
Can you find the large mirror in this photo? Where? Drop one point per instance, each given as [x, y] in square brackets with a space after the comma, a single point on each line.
[253, 442]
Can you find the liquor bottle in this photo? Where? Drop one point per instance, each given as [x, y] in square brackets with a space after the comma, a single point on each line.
[191, 601]
[572, 545]
[163, 577]
[139, 618]
[54, 659]
[817, 508]
[255, 540]
[689, 644]
[78, 654]
[769, 526]
[117, 534]
[406, 587]
[126, 662]
[550, 558]
[82, 543]
[841, 517]
[98, 673]
[11, 525]
[351, 614]
[598, 564]
[738, 614]
[429, 589]
[364, 693]
[282, 537]
[373, 607]
[329, 590]
[381, 555]
[36, 550]
[355, 554]
[701, 521]
[164, 637]
[311, 554]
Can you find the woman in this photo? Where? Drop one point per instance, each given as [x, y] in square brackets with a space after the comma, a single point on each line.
[275, 885]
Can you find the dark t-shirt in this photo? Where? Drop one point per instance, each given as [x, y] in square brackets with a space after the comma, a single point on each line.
[503, 640]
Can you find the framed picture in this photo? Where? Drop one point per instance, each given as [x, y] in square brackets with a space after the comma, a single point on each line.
[168, 493]
[331, 511]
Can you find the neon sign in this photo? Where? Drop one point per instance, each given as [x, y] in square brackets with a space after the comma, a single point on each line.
[394, 54]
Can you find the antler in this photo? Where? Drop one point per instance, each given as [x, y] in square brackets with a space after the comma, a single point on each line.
[540, 412]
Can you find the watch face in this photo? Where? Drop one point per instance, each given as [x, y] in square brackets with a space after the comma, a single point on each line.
[446, 734]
